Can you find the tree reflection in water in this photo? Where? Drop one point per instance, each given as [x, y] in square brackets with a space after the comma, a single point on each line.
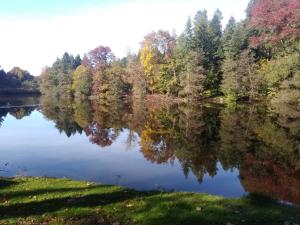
[17, 107]
[262, 143]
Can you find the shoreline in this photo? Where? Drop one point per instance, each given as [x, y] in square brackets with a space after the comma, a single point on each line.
[41, 200]
[19, 93]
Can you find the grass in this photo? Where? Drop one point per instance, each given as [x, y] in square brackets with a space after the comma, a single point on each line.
[61, 201]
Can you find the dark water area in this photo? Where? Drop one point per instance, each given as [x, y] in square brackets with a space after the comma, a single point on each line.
[199, 148]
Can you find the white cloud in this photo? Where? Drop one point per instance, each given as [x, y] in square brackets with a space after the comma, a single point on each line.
[33, 43]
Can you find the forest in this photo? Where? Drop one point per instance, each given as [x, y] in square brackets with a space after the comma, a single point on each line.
[250, 60]
[18, 81]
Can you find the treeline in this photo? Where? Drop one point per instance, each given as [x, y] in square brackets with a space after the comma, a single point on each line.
[254, 58]
[17, 81]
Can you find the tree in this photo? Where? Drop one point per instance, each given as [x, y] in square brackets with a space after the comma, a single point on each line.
[201, 34]
[100, 83]
[215, 25]
[77, 61]
[249, 81]
[157, 50]
[24, 78]
[234, 42]
[207, 41]
[279, 70]
[99, 58]
[20, 74]
[230, 86]
[216, 52]
[187, 36]
[193, 76]
[240, 77]
[137, 77]
[162, 43]
[249, 8]
[57, 80]
[7, 81]
[148, 62]
[82, 82]
[168, 78]
[239, 40]
[185, 42]
[117, 87]
[228, 34]
[275, 21]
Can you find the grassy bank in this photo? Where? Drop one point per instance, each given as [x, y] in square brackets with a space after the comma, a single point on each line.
[61, 201]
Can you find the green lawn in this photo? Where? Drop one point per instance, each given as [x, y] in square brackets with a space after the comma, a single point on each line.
[61, 201]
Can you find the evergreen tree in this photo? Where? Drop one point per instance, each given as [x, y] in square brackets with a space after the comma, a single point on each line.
[201, 36]
[239, 40]
[228, 34]
[187, 35]
[216, 52]
[207, 40]
[241, 80]
[57, 80]
[192, 76]
[77, 62]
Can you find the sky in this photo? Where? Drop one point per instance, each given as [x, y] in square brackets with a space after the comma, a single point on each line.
[35, 32]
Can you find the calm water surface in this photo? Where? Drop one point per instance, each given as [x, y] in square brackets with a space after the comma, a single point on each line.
[204, 148]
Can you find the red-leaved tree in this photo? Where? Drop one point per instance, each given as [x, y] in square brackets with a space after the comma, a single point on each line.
[275, 21]
[98, 60]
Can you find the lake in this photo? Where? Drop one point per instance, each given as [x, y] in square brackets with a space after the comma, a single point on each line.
[172, 147]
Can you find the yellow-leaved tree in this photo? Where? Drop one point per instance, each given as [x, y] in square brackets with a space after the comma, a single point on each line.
[147, 59]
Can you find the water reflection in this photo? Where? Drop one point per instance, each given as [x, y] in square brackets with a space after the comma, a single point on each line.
[204, 139]
[17, 107]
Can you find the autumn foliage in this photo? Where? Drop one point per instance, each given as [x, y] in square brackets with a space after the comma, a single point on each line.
[271, 179]
[275, 21]
[205, 60]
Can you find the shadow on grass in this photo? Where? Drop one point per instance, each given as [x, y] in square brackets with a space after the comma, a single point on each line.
[83, 200]
[6, 183]
[260, 199]
[189, 209]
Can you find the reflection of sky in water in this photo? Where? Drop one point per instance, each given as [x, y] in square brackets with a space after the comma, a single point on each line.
[33, 146]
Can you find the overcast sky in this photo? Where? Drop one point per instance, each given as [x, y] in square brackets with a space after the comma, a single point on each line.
[35, 32]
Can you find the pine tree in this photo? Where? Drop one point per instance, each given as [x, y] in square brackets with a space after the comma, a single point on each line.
[201, 35]
[192, 76]
[207, 40]
[216, 52]
[228, 34]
